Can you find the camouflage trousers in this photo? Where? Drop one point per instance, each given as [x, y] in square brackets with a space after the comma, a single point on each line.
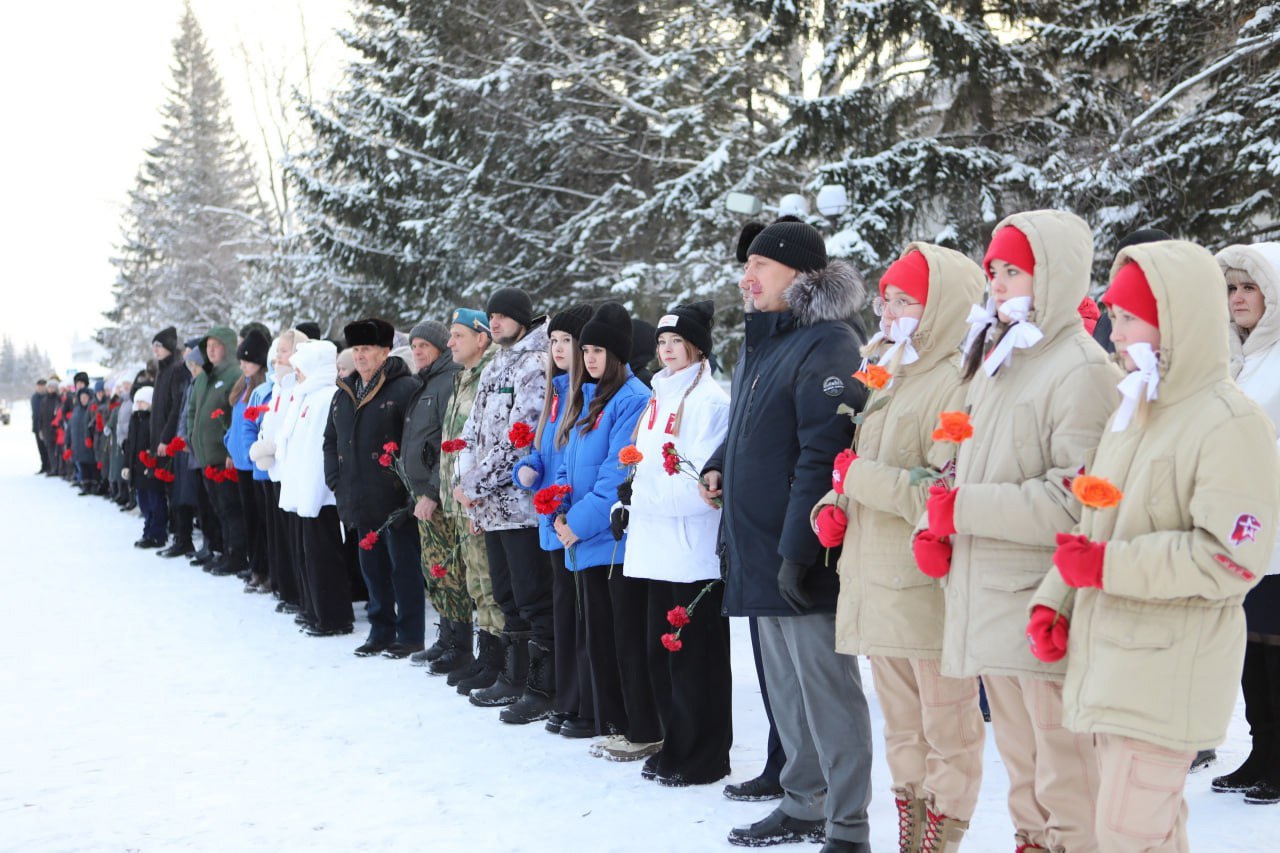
[449, 545]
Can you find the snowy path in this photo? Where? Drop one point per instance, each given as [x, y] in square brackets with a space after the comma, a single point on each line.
[148, 706]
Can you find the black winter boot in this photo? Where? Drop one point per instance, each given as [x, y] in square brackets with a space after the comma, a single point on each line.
[540, 690]
[1249, 774]
[510, 684]
[486, 668]
[458, 654]
[433, 651]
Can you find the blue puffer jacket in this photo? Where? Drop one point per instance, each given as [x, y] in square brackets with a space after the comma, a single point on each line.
[545, 459]
[243, 432]
[590, 468]
[261, 396]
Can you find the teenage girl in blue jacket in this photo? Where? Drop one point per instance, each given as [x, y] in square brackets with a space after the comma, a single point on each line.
[612, 401]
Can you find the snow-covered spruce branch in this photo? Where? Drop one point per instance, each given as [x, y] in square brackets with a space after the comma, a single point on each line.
[1240, 49]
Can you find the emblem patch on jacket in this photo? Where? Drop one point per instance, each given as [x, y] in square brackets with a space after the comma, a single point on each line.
[833, 386]
[1234, 567]
[1246, 529]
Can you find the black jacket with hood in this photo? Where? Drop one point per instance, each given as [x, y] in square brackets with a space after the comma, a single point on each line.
[794, 371]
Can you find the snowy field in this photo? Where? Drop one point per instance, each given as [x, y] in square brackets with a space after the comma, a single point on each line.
[147, 706]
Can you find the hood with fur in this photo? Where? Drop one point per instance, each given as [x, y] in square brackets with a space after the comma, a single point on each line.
[835, 292]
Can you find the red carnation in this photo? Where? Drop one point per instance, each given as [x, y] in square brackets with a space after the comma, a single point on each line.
[438, 571]
[548, 500]
[164, 475]
[672, 643]
[678, 616]
[94, 407]
[521, 435]
[231, 474]
[147, 459]
[385, 460]
[252, 413]
[670, 459]
[216, 413]
[66, 454]
[177, 445]
[212, 473]
[369, 540]
[97, 422]
[99, 466]
[391, 447]
[453, 445]
[88, 442]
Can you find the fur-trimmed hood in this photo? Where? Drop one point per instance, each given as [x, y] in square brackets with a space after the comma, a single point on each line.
[835, 292]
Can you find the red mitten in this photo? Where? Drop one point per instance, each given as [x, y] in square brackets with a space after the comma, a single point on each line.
[942, 510]
[1079, 560]
[840, 469]
[831, 523]
[1048, 640]
[932, 553]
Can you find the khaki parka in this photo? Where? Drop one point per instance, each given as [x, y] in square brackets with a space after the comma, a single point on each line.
[886, 605]
[1036, 422]
[1156, 653]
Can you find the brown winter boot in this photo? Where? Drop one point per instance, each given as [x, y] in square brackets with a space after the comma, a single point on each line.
[942, 834]
[911, 823]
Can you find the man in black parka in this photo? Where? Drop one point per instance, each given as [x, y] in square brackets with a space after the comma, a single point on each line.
[368, 412]
[795, 369]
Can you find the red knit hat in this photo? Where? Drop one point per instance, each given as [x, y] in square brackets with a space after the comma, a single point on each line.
[911, 274]
[1129, 290]
[1010, 245]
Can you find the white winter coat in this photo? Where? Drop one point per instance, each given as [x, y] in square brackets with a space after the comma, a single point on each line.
[672, 532]
[1255, 360]
[300, 437]
[263, 451]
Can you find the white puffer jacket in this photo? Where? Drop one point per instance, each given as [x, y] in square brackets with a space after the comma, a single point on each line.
[300, 437]
[1255, 360]
[672, 533]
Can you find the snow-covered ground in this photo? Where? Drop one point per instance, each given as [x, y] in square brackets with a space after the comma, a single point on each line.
[147, 706]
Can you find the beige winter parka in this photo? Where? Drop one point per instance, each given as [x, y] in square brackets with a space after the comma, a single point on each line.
[1156, 654]
[1036, 423]
[886, 605]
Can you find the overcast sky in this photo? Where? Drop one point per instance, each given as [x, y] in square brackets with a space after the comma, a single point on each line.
[81, 83]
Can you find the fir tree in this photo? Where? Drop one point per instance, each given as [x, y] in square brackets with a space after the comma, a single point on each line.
[194, 216]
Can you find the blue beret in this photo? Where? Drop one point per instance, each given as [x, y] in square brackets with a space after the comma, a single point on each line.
[476, 321]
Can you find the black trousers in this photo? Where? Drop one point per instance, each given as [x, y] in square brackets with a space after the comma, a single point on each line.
[280, 551]
[325, 568]
[225, 497]
[252, 510]
[521, 575]
[297, 563]
[210, 527]
[694, 686]
[616, 609]
[44, 453]
[573, 669]
[1261, 685]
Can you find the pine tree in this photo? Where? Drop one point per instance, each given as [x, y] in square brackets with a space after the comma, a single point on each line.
[194, 217]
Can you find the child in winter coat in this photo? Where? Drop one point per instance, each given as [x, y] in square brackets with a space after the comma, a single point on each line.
[933, 728]
[613, 604]
[1040, 393]
[672, 536]
[573, 714]
[1145, 598]
[1253, 294]
[141, 472]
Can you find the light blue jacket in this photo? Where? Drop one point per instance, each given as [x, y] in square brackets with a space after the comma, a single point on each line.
[544, 460]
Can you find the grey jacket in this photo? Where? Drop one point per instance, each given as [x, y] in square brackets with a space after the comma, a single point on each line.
[424, 426]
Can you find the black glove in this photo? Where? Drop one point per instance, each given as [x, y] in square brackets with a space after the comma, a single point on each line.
[791, 586]
[624, 492]
[618, 521]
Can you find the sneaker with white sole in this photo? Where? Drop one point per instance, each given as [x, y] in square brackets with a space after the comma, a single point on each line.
[597, 747]
[625, 750]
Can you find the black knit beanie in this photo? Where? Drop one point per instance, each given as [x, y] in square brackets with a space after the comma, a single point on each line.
[311, 330]
[692, 322]
[511, 302]
[571, 320]
[1142, 235]
[167, 338]
[254, 348]
[793, 244]
[748, 233]
[610, 328]
[249, 327]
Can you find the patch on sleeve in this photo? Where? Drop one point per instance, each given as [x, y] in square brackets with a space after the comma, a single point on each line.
[833, 386]
[1246, 529]
[1234, 567]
